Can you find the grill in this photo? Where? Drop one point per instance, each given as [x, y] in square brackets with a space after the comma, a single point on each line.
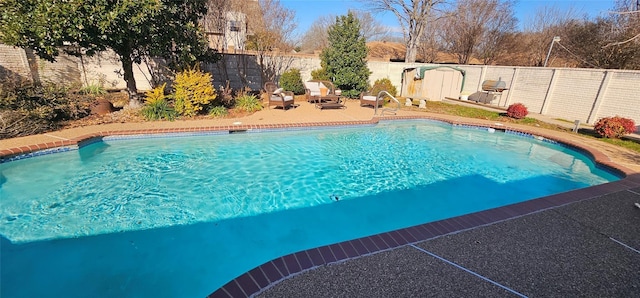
[493, 90]
[494, 86]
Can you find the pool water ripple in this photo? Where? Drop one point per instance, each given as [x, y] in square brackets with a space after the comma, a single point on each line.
[187, 212]
[142, 184]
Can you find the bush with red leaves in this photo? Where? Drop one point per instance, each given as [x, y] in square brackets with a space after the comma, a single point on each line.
[614, 127]
[517, 110]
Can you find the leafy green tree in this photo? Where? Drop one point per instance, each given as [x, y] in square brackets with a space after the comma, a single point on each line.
[345, 59]
[133, 29]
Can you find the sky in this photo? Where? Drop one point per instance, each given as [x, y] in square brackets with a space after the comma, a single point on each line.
[307, 11]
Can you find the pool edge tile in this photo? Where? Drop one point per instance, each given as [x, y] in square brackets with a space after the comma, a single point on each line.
[259, 277]
[247, 284]
[304, 260]
[316, 257]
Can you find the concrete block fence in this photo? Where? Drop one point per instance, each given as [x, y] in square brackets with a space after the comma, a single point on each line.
[565, 93]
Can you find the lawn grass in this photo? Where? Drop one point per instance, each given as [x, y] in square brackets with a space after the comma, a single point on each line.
[462, 111]
[628, 143]
[477, 113]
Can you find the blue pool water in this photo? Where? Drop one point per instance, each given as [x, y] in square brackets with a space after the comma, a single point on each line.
[181, 216]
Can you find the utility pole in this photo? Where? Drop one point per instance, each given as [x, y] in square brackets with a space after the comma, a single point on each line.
[555, 39]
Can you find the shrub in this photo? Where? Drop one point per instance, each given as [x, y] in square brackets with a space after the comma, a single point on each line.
[93, 89]
[320, 74]
[292, 81]
[27, 108]
[224, 97]
[51, 102]
[383, 84]
[156, 105]
[218, 111]
[517, 111]
[249, 103]
[193, 91]
[614, 127]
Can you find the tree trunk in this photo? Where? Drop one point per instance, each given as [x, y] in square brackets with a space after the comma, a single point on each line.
[32, 60]
[412, 51]
[132, 89]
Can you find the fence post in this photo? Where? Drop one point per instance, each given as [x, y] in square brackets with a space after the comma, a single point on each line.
[483, 73]
[547, 97]
[512, 86]
[593, 114]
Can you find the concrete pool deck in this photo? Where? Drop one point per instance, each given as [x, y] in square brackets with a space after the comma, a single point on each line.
[584, 249]
[580, 243]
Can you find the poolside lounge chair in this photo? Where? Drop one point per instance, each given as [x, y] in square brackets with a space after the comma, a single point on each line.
[278, 97]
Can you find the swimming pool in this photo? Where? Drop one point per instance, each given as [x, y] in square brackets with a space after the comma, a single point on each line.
[135, 214]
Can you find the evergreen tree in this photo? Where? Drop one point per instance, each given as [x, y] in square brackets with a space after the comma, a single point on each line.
[345, 59]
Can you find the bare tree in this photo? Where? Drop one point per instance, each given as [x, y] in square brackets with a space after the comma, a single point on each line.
[279, 22]
[316, 37]
[430, 43]
[584, 43]
[478, 27]
[413, 16]
[370, 28]
[626, 19]
[606, 42]
[273, 37]
[499, 28]
[540, 30]
[512, 50]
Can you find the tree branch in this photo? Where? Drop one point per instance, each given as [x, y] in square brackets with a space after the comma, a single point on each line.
[624, 12]
[622, 42]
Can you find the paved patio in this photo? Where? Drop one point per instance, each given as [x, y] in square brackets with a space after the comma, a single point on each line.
[585, 249]
[580, 243]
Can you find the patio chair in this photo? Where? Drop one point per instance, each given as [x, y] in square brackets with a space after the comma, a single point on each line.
[368, 99]
[278, 97]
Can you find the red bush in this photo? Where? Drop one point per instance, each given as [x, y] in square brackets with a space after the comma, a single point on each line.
[517, 110]
[614, 127]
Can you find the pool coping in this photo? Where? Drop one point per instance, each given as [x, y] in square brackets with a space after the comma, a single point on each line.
[271, 273]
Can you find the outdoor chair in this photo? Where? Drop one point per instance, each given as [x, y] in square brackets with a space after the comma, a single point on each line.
[278, 97]
[316, 89]
[369, 99]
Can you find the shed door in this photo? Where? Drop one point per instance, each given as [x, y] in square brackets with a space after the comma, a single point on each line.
[441, 83]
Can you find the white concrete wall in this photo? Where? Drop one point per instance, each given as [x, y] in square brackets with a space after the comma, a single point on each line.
[571, 94]
[531, 87]
[621, 96]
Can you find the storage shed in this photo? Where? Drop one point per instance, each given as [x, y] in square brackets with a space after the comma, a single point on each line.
[432, 82]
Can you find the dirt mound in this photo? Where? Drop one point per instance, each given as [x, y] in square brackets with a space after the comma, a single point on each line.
[395, 51]
[382, 49]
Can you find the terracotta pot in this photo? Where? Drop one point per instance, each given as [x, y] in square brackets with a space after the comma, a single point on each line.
[101, 106]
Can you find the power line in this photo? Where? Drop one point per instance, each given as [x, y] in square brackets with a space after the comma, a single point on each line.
[576, 56]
